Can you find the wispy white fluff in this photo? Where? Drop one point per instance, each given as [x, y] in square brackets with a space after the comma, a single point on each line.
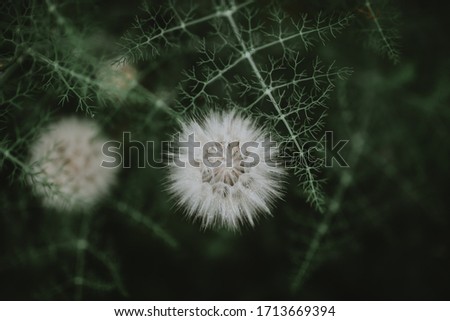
[65, 161]
[225, 196]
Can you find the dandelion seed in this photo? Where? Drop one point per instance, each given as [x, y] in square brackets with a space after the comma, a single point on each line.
[65, 162]
[238, 190]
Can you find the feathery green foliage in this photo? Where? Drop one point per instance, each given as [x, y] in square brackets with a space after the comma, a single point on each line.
[144, 68]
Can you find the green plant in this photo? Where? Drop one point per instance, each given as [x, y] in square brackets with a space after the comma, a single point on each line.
[171, 63]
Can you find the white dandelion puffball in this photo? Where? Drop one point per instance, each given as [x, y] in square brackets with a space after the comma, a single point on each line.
[117, 79]
[66, 167]
[220, 183]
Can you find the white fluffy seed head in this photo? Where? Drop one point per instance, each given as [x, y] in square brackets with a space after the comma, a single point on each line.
[236, 192]
[66, 165]
[117, 79]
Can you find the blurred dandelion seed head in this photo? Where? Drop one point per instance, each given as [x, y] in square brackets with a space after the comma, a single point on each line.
[117, 79]
[65, 162]
[231, 194]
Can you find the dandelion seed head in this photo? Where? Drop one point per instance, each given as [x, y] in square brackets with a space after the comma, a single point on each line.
[223, 186]
[117, 79]
[66, 165]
